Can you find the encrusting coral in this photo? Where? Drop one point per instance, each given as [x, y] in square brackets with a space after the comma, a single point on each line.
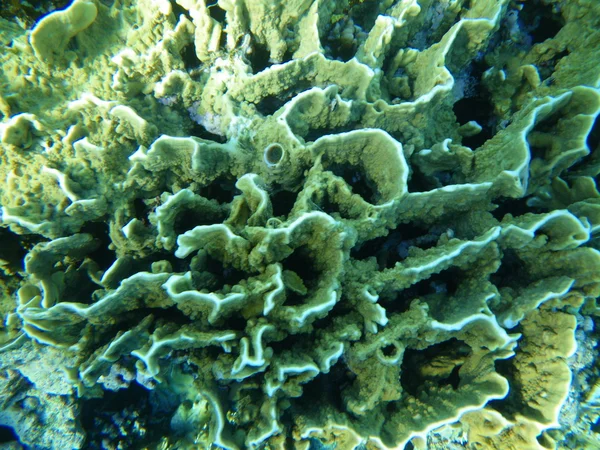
[261, 224]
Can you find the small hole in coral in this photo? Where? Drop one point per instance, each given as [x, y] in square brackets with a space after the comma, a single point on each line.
[190, 218]
[327, 389]
[391, 407]
[358, 181]
[259, 57]
[474, 103]
[316, 133]
[512, 271]
[215, 11]
[394, 247]
[273, 155]
[7, 434]
[103, 255]
[283, 201]
[379, 106]
[188, 55]
[593, 137]
[596, 426]
[12, 250]
[141, 210]
[269, 105]
[200, 131]
[215, 276]
[389, 351]
[301, 262]
[327, 205]
[537, 152]
[513, 206]
[293, 298]
[476, 109]
[416, 376]
[593, 144]
[513, 403]
[547, 68]
[453, 379]
[539, 20]
[222, 190]
[545, 441]
[418, 182]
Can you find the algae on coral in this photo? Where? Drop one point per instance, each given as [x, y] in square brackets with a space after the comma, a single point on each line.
[267, 224]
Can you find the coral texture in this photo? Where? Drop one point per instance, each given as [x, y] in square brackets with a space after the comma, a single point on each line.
[277, 224]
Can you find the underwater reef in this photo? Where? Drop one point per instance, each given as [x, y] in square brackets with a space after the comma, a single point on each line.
[300, 224]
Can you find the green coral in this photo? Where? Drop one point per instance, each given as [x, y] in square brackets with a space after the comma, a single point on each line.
[270, 224]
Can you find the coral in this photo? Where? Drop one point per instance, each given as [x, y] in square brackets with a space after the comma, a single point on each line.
[300, 224]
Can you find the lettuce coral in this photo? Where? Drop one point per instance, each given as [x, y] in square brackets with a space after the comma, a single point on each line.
[261, 224]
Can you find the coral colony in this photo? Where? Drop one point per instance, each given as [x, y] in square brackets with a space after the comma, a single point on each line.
[299, 224]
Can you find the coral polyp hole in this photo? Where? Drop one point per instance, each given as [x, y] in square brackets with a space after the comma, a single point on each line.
[389, 351]
[379, 106]
[273, 155]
